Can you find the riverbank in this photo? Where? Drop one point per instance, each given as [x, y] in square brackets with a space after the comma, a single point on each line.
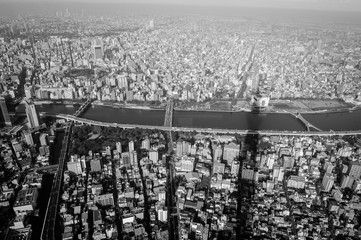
[276, 106]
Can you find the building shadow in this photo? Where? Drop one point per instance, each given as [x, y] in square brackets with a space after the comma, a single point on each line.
[249, 144]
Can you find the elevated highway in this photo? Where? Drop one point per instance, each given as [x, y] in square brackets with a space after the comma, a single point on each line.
[49, 226]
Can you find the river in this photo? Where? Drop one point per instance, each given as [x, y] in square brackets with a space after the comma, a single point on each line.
[337, 121]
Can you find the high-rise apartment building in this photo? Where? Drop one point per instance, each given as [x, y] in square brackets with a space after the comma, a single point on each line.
[131, 146]
[32, 114]
[354, 170]
[346, 181]
[119, 147]
[327, 182]
[29, 138]
[5, 112]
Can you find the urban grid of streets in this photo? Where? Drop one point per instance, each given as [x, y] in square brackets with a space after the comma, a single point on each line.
[108, 181]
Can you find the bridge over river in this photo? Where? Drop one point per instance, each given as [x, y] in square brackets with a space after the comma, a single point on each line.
[304, 121]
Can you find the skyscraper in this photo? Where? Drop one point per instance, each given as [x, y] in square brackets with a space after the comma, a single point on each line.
[4, 111]
[32, 114]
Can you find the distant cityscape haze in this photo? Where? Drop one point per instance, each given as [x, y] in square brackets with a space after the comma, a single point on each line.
[333, 5]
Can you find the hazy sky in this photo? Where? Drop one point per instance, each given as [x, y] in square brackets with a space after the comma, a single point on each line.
[347, 5]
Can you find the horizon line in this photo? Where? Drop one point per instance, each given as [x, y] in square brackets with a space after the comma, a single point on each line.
[245, 5]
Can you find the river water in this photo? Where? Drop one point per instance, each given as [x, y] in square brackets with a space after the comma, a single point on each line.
[337, 121]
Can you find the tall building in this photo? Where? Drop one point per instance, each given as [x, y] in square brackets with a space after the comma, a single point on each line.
[146, 144]
[235, 167]
[133, 157]
[32, 114]
[5, 112]
[354, 170]
[75, 167]
[281, 174]
[346, 181]
[26, 200]
[218, 168]
[131, 146]
[255, 83]
[119, 147]
[126, 159]
[17, 146]
[248, 174]
[153, 156]
[163, 215]
[270, 186]
[151, 24]
[328, 167]
[108, 150]
[288, 161]
[270, 162]
[327, 182]
[230, 152]
[296, 182]
[276, 172]
[217, 153]
[44, 139]
[98, 49]
[187, 164]
[356, 186]
[179, 148]
[95, 165]
[29, 138]
[186, 147]
[29, 92]
[319, 44]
